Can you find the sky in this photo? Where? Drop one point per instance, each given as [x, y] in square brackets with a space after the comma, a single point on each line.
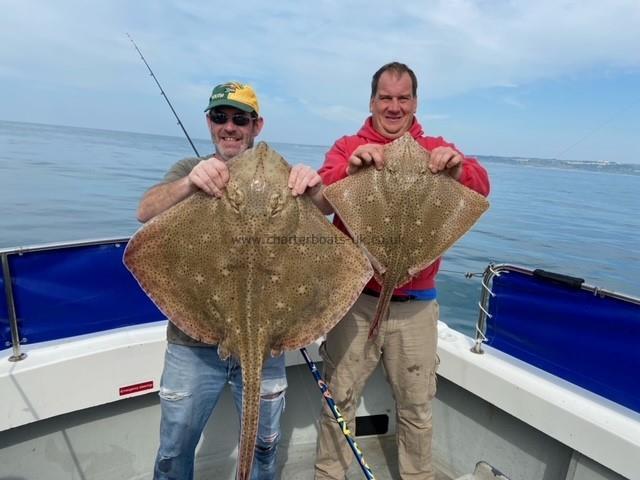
[544, 79]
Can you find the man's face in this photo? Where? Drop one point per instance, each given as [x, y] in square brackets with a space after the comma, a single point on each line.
[393, 105]
[231, 139]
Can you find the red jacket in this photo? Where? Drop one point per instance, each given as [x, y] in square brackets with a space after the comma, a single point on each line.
[335, 165]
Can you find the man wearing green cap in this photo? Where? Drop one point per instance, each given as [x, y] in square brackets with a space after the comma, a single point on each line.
[194, 376]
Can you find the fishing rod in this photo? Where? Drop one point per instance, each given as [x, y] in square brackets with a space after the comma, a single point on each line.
[588, 134]
[338, 416]
[314, 370]
[164, 95]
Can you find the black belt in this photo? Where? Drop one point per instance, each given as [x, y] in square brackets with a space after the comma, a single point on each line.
[394, 298]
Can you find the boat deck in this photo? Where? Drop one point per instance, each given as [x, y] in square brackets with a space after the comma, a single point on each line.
[380, 454]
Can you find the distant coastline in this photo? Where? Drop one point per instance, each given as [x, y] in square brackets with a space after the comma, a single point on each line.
[594, 166]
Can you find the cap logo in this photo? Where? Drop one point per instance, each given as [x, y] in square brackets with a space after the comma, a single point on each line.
[230, 87]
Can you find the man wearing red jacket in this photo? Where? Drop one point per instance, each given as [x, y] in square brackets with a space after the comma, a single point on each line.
[406, 342]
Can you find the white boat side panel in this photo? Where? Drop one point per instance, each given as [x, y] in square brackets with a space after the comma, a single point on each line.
[65, 376]
[72, 374]
[598, 428]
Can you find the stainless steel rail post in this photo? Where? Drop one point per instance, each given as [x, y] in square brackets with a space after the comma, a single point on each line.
[483, 306]
[11, 310]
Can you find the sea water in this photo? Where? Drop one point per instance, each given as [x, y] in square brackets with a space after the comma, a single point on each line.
[61, 184]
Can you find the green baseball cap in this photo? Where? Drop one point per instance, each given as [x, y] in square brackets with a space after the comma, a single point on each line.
[234, 94]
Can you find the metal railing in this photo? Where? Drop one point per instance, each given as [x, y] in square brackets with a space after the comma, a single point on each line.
[495, 270]
[11, 311]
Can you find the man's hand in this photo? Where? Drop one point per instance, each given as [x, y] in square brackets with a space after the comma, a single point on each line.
[211, 176]
[303, 177]
[446, 159]
[365, 155]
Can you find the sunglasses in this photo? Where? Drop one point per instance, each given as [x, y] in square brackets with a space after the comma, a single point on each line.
[238, 119]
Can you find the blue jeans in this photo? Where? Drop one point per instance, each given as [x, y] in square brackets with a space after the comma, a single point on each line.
[192, 381]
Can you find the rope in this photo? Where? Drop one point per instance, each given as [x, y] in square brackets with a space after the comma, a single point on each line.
[466, 274]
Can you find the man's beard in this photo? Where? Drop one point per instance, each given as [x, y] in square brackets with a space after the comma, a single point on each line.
[220, 154]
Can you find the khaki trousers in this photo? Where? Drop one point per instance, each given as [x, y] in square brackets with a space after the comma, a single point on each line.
[406, 345]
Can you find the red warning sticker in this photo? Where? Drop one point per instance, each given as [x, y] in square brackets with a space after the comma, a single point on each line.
[137, 387]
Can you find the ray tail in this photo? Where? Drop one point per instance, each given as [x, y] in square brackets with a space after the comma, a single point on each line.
[382, 309]
[251, 375]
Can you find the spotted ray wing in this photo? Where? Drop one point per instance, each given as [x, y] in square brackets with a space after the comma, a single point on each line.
[256, 272]
[403, 216]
